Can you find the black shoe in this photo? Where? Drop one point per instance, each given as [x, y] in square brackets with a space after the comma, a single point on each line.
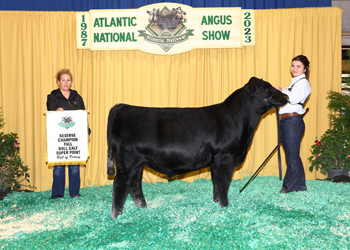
[283, 191]
[56, 197]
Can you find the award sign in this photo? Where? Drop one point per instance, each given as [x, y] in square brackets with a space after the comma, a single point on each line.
[67, 137]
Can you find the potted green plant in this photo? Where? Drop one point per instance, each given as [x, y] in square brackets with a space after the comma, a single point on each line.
[12, 170]
[331, 152]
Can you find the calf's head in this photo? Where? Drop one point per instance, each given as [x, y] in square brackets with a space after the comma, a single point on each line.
[265, 94]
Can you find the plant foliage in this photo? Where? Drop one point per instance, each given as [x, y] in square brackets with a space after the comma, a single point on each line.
[339, 118]
[332, 150]
[12, 169]
[2, 122]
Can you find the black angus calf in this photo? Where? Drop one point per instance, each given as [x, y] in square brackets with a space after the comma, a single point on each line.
[175, 141]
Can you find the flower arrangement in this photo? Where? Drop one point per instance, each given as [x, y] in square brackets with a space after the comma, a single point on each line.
[12, 169]
[332, 150]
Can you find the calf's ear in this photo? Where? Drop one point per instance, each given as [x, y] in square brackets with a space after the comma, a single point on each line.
[250, 87]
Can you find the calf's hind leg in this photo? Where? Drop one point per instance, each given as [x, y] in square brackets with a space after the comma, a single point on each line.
[120, 191]
[128, 173]
[136, 189]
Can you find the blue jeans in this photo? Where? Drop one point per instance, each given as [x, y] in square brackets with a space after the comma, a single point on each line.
[59, 181]
[292, 131]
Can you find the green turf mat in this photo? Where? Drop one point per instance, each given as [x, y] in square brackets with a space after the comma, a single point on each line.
[182, 215]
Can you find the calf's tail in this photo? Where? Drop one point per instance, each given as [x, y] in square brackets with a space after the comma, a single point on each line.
[110, 162]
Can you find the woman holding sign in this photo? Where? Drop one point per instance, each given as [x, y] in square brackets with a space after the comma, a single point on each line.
[62, 99]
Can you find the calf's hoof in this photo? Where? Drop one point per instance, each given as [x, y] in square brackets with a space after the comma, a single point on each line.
[115, 214]
[140, 204]
[110, 171]
[223, 204]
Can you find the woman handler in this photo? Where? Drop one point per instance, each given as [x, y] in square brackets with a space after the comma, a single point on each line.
[292, 126]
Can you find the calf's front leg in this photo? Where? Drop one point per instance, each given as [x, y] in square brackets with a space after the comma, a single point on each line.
[221, 177]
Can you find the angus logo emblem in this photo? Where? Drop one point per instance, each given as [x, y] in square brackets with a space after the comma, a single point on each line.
[67, 122]
[166, 27]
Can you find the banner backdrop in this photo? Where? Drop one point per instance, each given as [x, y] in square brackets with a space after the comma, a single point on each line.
[165, 28]
[67, 137]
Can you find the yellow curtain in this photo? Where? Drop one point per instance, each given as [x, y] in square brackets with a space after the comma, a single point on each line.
[35, 45]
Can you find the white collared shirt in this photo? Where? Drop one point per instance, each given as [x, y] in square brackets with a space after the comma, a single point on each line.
[300, 91]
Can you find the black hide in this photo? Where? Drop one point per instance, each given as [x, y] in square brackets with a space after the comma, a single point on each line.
[174, 141]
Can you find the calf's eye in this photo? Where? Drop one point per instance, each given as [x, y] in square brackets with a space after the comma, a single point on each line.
[262, 89]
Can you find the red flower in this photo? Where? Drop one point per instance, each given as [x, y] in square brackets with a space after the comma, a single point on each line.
[319, 143]
[16, 146]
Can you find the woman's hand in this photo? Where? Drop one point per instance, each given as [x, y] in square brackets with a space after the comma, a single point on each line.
[60, 109]
[278, 88]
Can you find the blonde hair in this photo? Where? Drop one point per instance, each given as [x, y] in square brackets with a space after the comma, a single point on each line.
[62, 72]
